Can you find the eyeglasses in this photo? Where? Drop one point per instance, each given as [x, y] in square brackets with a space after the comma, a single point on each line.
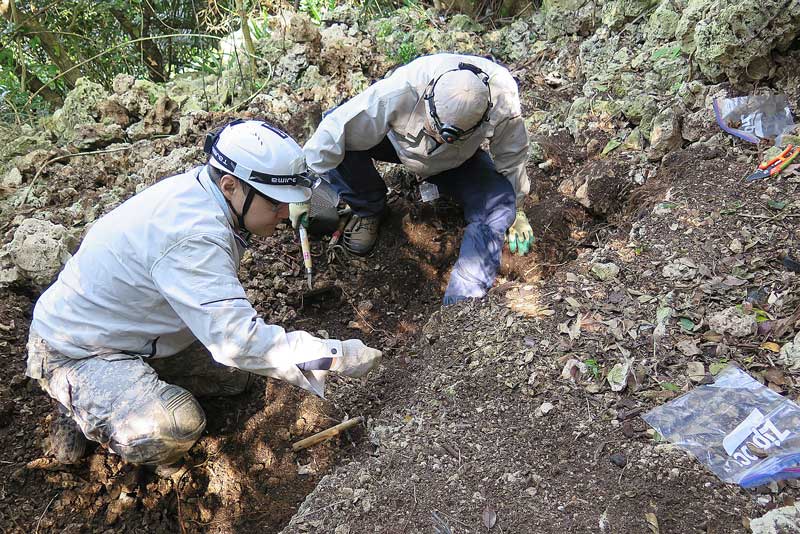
[275, 205]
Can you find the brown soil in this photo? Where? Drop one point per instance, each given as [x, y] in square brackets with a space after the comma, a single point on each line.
[455, 430]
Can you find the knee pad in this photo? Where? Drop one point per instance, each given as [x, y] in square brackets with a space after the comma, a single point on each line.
[162, 430]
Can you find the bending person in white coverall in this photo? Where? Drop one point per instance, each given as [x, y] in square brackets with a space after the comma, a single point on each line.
[114, 339]
[432, 116]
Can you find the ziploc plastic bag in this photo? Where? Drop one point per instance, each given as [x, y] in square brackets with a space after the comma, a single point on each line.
[731, 424]
[754, 118]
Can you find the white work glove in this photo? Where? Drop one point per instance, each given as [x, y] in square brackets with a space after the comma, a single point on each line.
[298, 210]
[357, 359]
[520, 235]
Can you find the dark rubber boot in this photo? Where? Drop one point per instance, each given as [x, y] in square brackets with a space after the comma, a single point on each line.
[67, 442]
[361, 234]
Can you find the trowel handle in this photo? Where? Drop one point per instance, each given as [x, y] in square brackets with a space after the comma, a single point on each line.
[306, 248]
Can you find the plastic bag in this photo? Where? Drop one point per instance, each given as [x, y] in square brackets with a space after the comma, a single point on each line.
[728, 425]
[754, 118]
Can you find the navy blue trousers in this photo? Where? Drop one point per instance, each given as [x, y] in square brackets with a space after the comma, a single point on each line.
[486, 195]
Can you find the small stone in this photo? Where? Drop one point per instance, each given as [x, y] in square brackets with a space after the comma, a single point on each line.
[732, 321]
[605, 271]
[619, 459]
[12, 179]
[544, 409]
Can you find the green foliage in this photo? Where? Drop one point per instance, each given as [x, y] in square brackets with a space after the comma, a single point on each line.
[405, 53]
[593, 367]
[666, 52]
[14, 97]
[315, 8]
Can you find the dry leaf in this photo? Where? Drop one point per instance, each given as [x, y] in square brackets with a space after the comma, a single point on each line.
[652, 522]
[689, 348]
[489, 517]
[696, 371]
[771, 346]
[732, 281]
[617, 377]
[775, 375]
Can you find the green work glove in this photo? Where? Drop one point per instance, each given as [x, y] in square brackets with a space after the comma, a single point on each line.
[298, 214]
[520, 235]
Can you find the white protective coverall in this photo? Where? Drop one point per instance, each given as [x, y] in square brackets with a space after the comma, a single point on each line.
[395, 107]
[150, 278]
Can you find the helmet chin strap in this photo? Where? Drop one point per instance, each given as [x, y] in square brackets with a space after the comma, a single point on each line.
[251, 193]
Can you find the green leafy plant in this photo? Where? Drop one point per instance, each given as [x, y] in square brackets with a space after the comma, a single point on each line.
[405, 53]
[593, 367]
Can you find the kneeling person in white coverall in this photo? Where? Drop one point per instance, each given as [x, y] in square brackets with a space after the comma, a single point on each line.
[432, 116]
[150, 313]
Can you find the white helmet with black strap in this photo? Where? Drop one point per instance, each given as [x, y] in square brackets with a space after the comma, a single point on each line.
[269, 161]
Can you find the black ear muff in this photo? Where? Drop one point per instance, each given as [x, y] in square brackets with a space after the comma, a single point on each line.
[211, 138]
[448, 135]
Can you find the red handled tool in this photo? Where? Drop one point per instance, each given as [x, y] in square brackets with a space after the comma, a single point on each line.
[775, 165]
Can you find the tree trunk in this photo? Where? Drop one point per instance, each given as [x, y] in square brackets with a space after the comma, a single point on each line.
[152, 57]
[248, 40]
[34, 84]
[48, 41]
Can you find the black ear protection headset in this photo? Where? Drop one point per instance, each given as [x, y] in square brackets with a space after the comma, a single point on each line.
[449, 132]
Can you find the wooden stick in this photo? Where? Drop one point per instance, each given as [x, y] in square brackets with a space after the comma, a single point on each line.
[333, 431]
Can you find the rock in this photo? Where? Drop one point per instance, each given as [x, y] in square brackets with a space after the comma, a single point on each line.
[567, 187]
[96, 135]
[734, 322]
[113, 112]
[39, 250]
[80, 107]
[790, 354]
[19, 141]
[11, 179]
[785, 520]
[599, 186]
[666, 134]
[582, 17]
[736, 38]
[619, 459]
[635, 140]
[617, 12]
[605, 271]
[699, 126]
[680, 269]
[544, 409]
[661, 25]
[176, 161]
[9, 274]
[158, 120]
[122, 83]
[513, 42]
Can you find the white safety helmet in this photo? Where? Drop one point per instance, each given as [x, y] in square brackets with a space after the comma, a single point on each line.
[264, 157]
